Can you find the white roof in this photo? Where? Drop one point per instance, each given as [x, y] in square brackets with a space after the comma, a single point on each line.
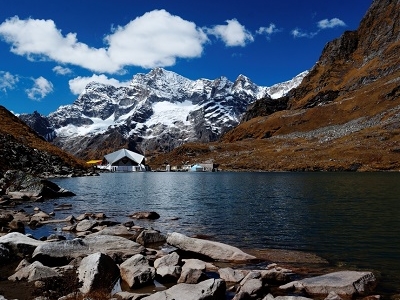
[117, 155]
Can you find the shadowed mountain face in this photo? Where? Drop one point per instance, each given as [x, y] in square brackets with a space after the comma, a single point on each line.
[21, 148]
[345, 115]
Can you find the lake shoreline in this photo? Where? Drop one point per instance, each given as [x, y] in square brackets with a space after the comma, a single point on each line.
[306, 212]
[301, 263]
[304, 264]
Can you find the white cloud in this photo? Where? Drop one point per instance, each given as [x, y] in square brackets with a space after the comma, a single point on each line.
[233, 34]
[332, 23]
[40, 89]
[78, 84]
[41, 39]
[62, 70]
[268, 31]
[155, 39]
[7, 81]
[298, 33]
[322, 25]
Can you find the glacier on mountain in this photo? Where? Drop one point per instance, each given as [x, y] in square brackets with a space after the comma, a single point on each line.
[158, 111]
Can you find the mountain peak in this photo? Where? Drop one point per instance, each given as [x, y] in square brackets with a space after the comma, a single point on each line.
[157, 111]
[242, 80]
[157, 72]
[281, 89]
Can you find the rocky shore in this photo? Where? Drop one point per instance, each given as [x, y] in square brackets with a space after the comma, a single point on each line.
[105, 259]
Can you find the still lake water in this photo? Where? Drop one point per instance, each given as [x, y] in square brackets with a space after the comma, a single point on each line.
[351, 219]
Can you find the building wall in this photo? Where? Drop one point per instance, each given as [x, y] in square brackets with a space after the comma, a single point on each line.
[126, 165]
[209, 167]
[127, 169]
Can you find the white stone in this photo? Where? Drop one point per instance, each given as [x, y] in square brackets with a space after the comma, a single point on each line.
[214, 250]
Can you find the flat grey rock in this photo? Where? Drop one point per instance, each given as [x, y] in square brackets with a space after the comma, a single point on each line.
[211, 289]
[214, 250]
[346, 283]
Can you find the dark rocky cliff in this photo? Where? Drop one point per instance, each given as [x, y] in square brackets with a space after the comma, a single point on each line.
[21, 148]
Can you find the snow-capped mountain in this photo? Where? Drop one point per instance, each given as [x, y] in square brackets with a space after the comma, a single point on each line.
[156, 111]
[281, 89]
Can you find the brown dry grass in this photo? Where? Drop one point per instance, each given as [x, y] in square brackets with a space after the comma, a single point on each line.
[368, 150]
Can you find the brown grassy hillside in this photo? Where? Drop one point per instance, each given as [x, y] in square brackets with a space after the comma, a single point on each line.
[344, 116]
[14, 131]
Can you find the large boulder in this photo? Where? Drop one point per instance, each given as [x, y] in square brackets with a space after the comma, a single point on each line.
[85, 225]
[193, 271]
[192, 276]
[211, 289]
[231, 275]
[251, 287]
[22, 185]
[20, 243]
[40, 216]
[214, 250]
[136, 271]
[193, 263]
[118, 230]
[168, 268]
[97, 272]
[33, 272]
[150, 236]
[276, 274]
[60, 253]
[343, 283]
[114, 245]
[16, 226]
[21, 216]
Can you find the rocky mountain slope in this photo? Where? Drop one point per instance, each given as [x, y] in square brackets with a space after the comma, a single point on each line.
[158, 111]
[345, 115]
[21, 148]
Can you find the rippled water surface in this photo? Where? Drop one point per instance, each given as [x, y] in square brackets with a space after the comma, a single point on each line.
[351, 219]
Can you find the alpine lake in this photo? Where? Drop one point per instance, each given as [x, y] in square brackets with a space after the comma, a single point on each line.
[352, 220]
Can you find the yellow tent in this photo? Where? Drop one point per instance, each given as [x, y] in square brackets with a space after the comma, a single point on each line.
[94, 162]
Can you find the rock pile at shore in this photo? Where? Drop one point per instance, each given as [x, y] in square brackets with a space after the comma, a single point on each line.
[109, 260]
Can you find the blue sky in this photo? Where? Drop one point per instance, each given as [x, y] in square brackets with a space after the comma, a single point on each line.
[49, 50]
